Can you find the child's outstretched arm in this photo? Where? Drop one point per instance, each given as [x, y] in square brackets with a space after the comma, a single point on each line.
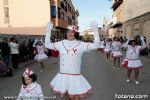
[35, 41]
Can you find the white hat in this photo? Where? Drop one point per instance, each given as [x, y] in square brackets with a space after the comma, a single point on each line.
[73, 28]
[27, 72]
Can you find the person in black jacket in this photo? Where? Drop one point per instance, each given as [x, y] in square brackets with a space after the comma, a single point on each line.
[5, 50]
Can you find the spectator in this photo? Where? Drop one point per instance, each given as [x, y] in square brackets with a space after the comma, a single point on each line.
[14, 51]
[5, 50]
[23, 51]
[30, 49]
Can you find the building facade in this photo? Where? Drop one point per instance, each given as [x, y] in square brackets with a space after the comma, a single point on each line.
[131, 17]
[24, 17]
[118, 19]
[107, 23]
[63, 14]
[137, 18]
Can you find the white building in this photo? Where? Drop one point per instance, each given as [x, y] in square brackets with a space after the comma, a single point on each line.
[24, 17]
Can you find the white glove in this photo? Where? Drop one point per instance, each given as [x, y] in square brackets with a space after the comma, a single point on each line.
[48, 34]
[94, 25]
[36, 40]
[141, 37]
[49, 26]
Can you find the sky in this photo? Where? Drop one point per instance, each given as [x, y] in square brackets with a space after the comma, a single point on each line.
[92, 10]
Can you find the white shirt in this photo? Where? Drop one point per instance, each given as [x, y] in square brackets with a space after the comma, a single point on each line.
[133, 52]
[102, 44]
[40, 49]
[116, 46]
[31, 92]
[108, 45]
[14, 48]
[71, 54]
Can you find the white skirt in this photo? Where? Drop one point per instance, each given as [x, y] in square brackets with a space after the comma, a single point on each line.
[106, 50]
[102, 47]
[132, 64]
[74, 85]
[116, 53]
[41, 57]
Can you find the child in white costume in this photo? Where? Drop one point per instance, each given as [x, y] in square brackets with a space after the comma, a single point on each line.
[116, 52]
[69, 79]
[102, 45]
[30, 89]
[132, 60]
[40, 56]
[107, 49]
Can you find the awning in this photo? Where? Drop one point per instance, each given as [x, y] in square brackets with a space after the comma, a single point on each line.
[117, 24]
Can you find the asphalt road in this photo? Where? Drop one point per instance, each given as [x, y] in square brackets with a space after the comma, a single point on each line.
[107, 83]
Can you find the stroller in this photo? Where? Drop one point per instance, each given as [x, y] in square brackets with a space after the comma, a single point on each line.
[4, 70]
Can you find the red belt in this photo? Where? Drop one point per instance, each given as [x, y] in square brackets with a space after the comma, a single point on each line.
[69, 74]
[133, 59]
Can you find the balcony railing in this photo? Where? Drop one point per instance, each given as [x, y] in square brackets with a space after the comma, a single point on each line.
[116, 4]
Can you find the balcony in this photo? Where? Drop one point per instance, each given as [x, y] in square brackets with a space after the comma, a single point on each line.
[116, 23]
[116, 4]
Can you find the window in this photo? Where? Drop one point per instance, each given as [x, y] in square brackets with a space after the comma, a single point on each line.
[68, 7]
[59, 13]
[53, 11]
[62, 5]
[63, 16]
[6, 14]
[69, 21]
[65, 6]
[5, 2]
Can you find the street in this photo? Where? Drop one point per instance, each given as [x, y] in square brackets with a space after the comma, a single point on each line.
[107, 83]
